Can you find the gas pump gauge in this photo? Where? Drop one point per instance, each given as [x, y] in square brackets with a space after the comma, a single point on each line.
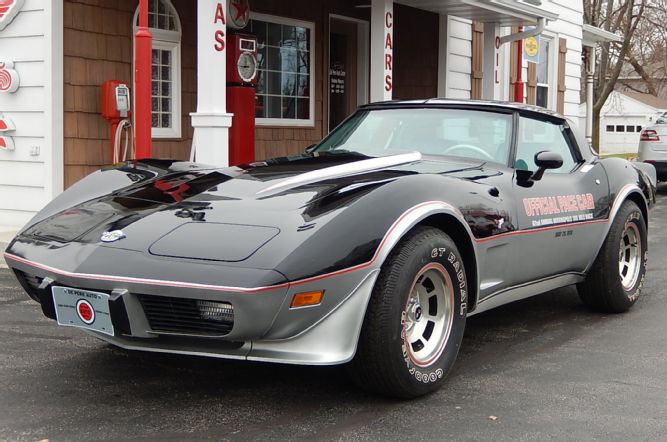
[247, 66]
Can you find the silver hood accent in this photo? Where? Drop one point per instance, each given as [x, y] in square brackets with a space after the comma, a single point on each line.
[340, 171]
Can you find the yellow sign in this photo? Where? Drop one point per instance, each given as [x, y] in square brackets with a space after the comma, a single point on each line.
[531, 46]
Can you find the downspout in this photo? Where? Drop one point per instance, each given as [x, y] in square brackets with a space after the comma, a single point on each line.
[143, 84]
[520, 36]
[590, 78]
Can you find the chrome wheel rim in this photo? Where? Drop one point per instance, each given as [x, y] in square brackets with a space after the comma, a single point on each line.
[428, 315]
[629, 256]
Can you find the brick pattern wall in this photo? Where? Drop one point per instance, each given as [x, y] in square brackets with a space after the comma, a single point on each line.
[98, 47]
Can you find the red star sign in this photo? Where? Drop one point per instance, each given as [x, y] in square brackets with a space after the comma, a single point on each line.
[241, 9]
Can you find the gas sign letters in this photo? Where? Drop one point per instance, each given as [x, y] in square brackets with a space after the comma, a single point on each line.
[219, 35]
[388, 50]
[8, 10]
[9, 78]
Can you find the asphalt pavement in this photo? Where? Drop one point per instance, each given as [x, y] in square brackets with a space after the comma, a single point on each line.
[539, 369]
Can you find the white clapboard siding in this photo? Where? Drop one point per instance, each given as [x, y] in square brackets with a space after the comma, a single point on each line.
[31, 175]
[22, 174]
[569, 26]
[459, 57]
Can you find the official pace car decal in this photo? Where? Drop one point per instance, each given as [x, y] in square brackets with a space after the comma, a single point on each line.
[564, 205]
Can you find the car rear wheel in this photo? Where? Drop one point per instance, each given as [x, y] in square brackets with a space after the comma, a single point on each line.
[415, 319]
[616, 278]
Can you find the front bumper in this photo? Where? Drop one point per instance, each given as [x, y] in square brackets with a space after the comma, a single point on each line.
[264, 326]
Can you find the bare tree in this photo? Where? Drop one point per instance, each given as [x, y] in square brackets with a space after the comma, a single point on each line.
[621, 17]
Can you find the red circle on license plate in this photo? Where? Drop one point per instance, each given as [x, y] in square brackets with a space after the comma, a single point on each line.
[85, 311]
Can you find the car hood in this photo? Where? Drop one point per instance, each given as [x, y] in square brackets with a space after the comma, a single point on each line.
[232, 212]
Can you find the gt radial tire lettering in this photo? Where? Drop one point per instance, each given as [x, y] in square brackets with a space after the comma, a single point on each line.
[420, 374]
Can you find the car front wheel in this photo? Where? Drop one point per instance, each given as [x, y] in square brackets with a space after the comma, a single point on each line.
[415, 319]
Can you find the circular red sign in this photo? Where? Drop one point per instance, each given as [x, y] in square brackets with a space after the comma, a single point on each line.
[85, 311]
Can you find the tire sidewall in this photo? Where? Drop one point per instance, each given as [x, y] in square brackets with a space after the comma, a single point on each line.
[434, 250]
[631, 214]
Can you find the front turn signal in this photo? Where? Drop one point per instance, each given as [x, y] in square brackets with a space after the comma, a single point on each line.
[307, 299]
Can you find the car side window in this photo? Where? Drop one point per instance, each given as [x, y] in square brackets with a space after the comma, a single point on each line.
[535, 136]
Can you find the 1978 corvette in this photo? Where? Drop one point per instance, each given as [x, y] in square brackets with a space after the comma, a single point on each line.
[370, 249]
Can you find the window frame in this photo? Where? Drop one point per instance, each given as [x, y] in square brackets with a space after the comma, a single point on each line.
[167, 41]
[552, 71]
[311, 26]
[566, 132]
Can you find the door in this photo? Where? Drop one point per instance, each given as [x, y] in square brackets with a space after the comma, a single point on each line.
[342, 70]
[561, 217]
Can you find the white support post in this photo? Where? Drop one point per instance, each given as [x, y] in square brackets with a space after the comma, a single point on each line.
[382, 49]
[211, 121]
[590, 74]
[491, 62]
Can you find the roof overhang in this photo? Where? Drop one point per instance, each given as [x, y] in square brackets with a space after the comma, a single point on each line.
[502, 12]
[594, 36]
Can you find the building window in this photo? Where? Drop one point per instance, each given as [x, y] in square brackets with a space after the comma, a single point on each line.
[285, 60]
[630, 128]
[165, 26]
[543, 74]
[639, 128]
[610, 128]
[620, 128]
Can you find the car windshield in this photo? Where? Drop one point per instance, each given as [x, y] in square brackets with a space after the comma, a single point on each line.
[456, 132]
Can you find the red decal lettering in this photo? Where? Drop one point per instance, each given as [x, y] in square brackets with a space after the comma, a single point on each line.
[389, 19]
[388, 86]
[527, 207]
[220, 41]
[388, 44]
[388, 58]
[219, 15]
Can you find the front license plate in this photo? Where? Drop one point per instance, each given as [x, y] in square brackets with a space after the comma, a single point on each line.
[82, 308]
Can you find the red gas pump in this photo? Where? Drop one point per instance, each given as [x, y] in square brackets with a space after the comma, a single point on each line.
[116, 110]
[241, 83]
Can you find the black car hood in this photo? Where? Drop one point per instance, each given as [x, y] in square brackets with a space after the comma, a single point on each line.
[252, 196]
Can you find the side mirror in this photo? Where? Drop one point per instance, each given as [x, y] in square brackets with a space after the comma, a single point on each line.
[546, 160]
[310, 148]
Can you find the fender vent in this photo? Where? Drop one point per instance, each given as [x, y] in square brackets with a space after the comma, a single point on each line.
[188, 317]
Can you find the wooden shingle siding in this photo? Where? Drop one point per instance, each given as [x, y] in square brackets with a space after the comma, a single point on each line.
[97, 47]
[415, 53]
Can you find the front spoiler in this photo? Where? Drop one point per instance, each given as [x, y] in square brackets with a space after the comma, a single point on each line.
[265, 327]
[331, 341]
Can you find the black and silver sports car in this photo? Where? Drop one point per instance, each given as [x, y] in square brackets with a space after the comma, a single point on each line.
[370, 249]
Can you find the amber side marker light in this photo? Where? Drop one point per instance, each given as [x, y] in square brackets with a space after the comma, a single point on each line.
[307, 299]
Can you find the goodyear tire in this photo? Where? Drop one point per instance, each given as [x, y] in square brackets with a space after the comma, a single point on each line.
[617, 275]
[415, 319]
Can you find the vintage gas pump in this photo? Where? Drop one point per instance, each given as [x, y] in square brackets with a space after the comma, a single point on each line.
[116, 110]
[241, 83]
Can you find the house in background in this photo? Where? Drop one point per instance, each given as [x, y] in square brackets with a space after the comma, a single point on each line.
[317, 61]
[623, 117]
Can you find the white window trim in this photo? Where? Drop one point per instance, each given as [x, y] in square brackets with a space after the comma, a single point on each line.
[552, 97]
[175, 130]
[171, 41]
[303, 24]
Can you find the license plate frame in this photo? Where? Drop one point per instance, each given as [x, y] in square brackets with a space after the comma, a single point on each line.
[84, 309]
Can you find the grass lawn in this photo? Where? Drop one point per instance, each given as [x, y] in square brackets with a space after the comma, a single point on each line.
[627, 156]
